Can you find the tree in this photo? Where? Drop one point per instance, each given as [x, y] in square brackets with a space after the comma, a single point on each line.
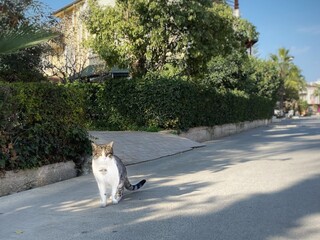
[264, 78]
[227, 72]
[23, 21]
[303, 107]
[294, 83]
[291, 79]
[156, 35]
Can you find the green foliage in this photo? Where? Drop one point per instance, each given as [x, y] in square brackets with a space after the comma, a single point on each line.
[227, 72]
[40, 123]
[23, 25]
[13, 40]
[302, 106]
[291, 79]
[151, 36]
[264, 79]
[23, 66]
[294, 84]
[155, 102]
[238, 71]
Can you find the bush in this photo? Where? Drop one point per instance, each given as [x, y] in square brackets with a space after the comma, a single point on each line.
[41, 123]
[162, 103]
[303, 106]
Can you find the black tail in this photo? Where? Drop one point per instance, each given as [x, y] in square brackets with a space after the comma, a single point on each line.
[130, 187]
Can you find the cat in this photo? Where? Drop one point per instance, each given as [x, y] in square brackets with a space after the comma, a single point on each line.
[110, 172]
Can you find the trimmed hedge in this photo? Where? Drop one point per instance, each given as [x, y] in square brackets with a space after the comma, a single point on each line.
[41, 123]
[156, 102]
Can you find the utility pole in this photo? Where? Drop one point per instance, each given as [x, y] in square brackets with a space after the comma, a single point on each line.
[236, 10]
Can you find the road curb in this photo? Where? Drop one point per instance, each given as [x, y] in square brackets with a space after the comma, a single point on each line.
[203, 134]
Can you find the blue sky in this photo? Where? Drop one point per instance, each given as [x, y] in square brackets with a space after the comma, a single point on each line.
[292, 24]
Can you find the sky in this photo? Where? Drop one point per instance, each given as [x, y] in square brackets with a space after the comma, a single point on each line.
[290, 24]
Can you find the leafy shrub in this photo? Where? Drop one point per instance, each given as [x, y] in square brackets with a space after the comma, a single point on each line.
[167, 103]
[40, 123]
[303, 106]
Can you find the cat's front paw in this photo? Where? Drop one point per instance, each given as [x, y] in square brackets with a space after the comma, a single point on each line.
[103, 204]
[115, 201]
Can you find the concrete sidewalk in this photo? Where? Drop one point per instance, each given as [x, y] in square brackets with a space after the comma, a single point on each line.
[135, 147]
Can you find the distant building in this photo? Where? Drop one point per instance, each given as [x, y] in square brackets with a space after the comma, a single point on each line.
[309, 96]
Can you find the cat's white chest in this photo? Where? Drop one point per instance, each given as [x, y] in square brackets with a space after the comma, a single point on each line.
[106, 171]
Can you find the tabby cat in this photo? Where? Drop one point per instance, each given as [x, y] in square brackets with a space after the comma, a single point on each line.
[110, 172]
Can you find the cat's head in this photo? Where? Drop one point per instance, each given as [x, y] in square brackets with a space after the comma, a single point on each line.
[102, 150]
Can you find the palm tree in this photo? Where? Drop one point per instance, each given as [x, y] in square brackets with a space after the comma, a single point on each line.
[283, 61]
[292, 81]
[23, 37]
[295, 81]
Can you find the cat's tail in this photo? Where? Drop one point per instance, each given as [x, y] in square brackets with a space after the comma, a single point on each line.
[131, 187]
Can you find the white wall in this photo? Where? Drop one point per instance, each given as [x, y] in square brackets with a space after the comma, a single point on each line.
[107, 2]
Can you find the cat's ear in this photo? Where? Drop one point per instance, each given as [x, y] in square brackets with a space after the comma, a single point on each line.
[94, 146]
[111, 145]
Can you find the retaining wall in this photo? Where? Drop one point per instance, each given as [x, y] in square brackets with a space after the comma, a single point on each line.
[17, 181]
[202, 134]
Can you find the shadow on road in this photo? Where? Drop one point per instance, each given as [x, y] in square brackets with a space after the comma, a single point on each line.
[181, 200]
[261, 216]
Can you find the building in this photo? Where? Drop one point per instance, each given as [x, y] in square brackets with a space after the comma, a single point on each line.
[70, 56]
[309, 95]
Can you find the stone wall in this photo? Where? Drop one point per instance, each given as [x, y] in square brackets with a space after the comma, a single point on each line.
[202, 134]
[17, 181]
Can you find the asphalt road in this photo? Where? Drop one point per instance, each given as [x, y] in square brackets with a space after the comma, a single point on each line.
[263, 184]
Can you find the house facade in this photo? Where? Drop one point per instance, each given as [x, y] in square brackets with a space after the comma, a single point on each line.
[308, 95]
[70, 55]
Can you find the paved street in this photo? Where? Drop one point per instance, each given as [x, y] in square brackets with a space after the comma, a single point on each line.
[263, 184]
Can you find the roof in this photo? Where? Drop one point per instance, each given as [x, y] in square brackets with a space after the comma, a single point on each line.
[99, 70]
[89, 71]
[66, 7]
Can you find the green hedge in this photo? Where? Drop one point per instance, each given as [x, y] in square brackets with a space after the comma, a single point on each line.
[41, 123]
[155, 102]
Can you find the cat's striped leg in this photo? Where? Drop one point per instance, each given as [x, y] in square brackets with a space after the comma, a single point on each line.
[117, 193]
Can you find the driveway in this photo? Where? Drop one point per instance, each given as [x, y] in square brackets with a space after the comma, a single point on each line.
[261, 184]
